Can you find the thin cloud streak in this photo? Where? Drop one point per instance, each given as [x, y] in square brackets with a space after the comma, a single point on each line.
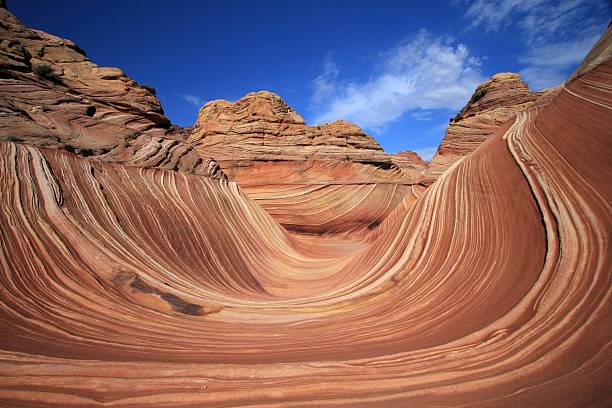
[194, 100]
[325, 84]
[546, 65]
[557, 34]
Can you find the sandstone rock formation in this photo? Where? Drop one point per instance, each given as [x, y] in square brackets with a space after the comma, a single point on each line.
[262, 127]
[331, 178]
[491, 288]
[51, 95]
[494, 102]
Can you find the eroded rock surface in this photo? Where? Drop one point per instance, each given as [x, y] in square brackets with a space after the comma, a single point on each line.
[52, 95]
[331, 178]
[493, 103]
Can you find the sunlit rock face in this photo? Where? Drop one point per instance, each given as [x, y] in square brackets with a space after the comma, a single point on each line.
[132, 285]
[493, 103]
[52, 95]
[325, 179]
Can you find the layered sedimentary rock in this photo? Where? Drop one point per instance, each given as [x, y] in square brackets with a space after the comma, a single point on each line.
[52, 95]
[491, 288]
[494, 102]
[331, 178]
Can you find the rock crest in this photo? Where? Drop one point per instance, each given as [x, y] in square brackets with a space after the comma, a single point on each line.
[267, 148]
[52, 95]
[494, 102]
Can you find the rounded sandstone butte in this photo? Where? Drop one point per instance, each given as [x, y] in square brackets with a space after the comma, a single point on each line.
[352, 134]
[494, 102]
[265, 119]
[262, 105]
[505, 89]
[412, 156]
[327, 179]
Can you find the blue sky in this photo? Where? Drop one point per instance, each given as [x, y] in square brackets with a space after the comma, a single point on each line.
[399, 69]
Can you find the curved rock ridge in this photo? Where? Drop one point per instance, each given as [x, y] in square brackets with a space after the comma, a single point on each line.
[326, 179]
[52, 95]
[126, 286]
[494, 102]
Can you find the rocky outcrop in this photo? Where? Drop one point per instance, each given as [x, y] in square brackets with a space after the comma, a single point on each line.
[52, 95]
[412, 156]
[494, 102]
[261, 127]
[331, 178]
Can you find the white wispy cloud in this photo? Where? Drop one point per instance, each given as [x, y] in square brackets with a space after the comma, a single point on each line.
[421, 74]
[194, 100]
[496, 14]
[556, 34]
[325, 84]
[546, 66]
[422, 115]
[426, 153]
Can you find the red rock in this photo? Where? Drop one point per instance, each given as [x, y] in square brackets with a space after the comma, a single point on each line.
[130, 286]
[494, 102]
[414, 157]
[332, 178]
[52, 95]
[262, 127]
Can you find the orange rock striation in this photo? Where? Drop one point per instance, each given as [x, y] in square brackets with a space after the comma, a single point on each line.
[493, 103]
[51, 95]
[331, 178]
[491, 288]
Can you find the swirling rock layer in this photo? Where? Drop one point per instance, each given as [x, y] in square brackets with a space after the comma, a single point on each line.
[324, 179]
[493, 103]
[51, 95]
[127, 286]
